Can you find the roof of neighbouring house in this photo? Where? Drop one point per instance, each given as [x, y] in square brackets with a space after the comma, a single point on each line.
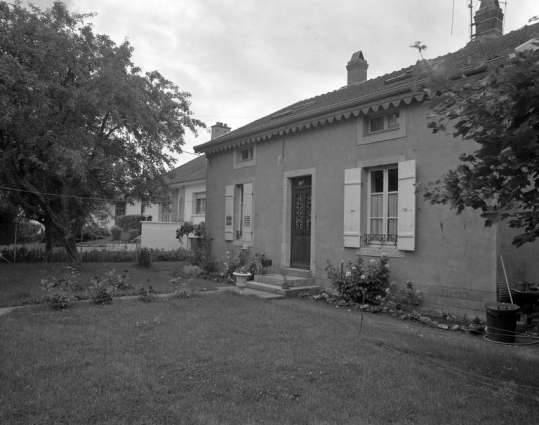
[188, 172]
[387, 90]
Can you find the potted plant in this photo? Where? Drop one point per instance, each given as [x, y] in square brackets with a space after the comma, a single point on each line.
[242, 274]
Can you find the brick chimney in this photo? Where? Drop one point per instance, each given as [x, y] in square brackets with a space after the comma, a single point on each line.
[218, 130]
[357, 69]
[488, 20]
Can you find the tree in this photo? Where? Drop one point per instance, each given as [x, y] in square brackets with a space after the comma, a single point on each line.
[500, 113]
[79, 122]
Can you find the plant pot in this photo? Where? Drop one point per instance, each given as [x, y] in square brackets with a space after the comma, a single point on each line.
[241, 279]
[501, 321]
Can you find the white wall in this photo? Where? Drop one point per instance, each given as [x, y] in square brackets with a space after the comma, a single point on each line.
[160, 235]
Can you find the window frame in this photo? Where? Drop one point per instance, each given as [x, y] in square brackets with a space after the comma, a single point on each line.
[124, 207]
[385, 217]
[239, 161]
[385, 121]
[196, 204]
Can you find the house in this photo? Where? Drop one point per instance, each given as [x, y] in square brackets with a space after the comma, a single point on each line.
[187, 186]
[334, 176]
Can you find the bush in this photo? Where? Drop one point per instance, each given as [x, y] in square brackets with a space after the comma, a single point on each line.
[192, 271]
[93, 232]
[360, 282]
[133, 234]
[116, 232]
[59, 292]
[130, 222]
[102, 287]
[145, 257]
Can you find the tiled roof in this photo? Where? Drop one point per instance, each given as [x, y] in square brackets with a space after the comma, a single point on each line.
[392, 88]
[190, 171]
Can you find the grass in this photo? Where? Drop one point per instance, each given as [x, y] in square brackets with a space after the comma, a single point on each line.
[20, 282]
[227, 359]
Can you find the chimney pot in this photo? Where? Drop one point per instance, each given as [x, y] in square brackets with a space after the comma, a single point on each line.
[357, 69]
[218, 130]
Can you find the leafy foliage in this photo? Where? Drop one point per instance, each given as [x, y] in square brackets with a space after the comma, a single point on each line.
[102, 287]
[116, 233]
[500, 113]
[79, 122]
[202, 256]
[59, 292]
[130, 222]
[360, 281]
[145, 257]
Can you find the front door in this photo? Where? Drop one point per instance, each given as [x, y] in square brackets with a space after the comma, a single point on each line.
[300, 255]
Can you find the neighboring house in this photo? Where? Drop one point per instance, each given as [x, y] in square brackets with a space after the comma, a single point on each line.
[334, 176]
[187, 186]
[125, 208]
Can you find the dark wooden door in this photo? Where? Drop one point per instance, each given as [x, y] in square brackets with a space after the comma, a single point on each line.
[300, 255]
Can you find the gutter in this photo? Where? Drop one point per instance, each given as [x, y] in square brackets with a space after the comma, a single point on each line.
[271, 127]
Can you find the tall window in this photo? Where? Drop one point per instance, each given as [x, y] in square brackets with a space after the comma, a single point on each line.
[383, 206]
[119, 209]
[239, 212]
[200, 203]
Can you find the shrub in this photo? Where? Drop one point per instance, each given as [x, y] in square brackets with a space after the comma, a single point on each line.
[406, 295]
[130, 222]
[93, 232]
[202, 244]
[102, 287]
[116, 232]
[360, 282]
[133, 234]
[192, 271]
[145, 257]
[59, 292]
[146, 292]
[236, 260]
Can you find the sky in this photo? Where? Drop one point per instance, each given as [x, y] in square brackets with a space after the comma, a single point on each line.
[244, 59]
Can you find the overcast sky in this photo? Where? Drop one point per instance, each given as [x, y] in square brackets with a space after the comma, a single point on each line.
[244, 59]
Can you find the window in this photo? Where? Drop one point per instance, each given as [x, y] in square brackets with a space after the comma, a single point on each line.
[388, 121]
[382, 221]
[238, 212]
[119, 209]
[200, 203]
[247, 154]
[381, 212]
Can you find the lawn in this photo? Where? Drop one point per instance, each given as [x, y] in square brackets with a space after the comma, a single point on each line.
[220, 358]
[20, 282]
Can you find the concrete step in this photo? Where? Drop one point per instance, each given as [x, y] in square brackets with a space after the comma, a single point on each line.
[289, 293]
[251, 291]
[278, 280]
[306, 274]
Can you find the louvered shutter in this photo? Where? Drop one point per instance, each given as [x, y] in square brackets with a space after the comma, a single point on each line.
[352, 208]
[229, 213]
[406, 208]
[247, 219]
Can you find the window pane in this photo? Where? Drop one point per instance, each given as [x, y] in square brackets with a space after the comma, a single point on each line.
[377, 181]
[392, 226]
[377, 226]
[376, 124]
[393, 120]
[377, 205]
[392, 206]
[393, 180]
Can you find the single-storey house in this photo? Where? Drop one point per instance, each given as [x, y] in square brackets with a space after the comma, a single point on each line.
[334, 176]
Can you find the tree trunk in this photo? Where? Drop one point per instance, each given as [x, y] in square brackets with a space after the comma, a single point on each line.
[48, 239]
[70, 246]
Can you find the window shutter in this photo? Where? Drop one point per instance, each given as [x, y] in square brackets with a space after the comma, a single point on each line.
[352, 208]
[229, 213]
[247, 231]
[406, 222]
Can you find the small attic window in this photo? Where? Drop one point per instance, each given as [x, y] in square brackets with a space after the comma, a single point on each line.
[405, 76]
[532, 44]
[302, 105]
[281, 114]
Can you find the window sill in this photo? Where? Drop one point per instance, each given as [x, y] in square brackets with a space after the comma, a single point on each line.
[376, 251]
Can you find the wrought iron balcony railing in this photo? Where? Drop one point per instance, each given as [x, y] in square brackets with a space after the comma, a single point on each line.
[372, 239]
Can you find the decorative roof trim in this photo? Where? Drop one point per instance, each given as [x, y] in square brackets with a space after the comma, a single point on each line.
[370, 104]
